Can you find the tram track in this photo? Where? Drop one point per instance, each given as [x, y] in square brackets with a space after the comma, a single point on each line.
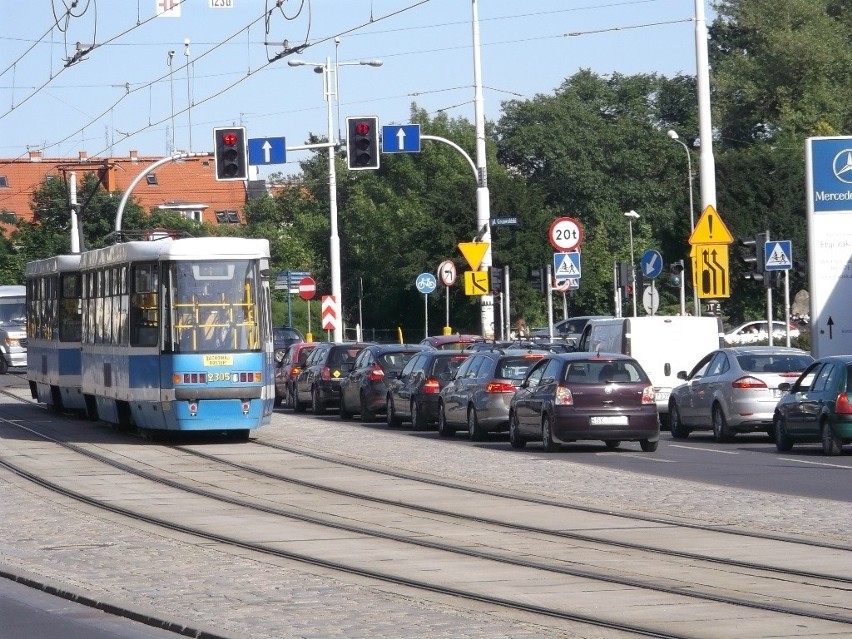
[835, 583]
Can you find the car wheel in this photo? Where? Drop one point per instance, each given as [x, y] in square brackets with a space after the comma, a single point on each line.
[783, 442]
[418, 420]
[474, 430]
[298, 406]
[831, 442]
[676, 425]
[515, 439]
[366, 414]
[288, 397]
[317, 407]
[4, 365]
[721, 433]
[392, 419]
[550, 446]
[648, 446]
[612, 444]
[444, 429]
[345, 413]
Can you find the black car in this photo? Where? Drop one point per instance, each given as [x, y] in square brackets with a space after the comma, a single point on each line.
[318, 383]
[817, 407]
[364, 390]
[284, 336]
[413, 394]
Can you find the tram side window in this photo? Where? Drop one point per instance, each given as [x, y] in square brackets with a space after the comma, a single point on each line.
[144, 306]
[70, 318]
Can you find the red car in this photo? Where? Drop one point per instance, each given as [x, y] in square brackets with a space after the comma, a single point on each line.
[451, 342]
[288, 369]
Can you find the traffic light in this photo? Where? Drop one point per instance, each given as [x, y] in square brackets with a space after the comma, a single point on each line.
[495, 278]
[362, 143]
[229, 144]
[622, 274]
[538, 278]
[676, 270]
[752, 255]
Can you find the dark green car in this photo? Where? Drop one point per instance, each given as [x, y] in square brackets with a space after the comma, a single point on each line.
[817, 408]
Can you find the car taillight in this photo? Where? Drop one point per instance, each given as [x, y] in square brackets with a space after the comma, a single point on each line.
[791, 375]
[376, 374]
[294, 372]
[500, 387]
[748, 382]
[842, 405]
[564, 396]
[325, 373]
[648, 395]
[431, 386]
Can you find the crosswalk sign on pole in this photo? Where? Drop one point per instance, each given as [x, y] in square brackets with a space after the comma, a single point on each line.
[778, 255]
[566, 265]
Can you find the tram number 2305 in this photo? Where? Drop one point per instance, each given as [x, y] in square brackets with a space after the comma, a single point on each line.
[218, 377]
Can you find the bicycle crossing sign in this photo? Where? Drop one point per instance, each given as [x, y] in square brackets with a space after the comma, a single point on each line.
[566, 266]
[778, 255]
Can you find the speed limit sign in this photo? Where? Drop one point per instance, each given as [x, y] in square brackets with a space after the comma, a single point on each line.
[566, 234]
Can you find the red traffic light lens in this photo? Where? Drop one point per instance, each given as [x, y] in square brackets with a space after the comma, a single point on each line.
[229, 138]
[362, 128]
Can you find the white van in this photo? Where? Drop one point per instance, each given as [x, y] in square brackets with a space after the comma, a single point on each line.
[662, 344]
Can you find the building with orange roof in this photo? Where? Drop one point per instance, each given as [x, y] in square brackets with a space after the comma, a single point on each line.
[188, 186]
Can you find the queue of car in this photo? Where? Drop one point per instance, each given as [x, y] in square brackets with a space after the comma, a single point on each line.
[539, 393]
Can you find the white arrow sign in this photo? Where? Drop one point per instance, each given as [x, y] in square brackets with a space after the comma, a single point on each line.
[267, 153]
[400, 137]
[651, 266]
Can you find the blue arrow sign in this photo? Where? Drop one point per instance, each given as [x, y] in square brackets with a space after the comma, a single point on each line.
[267, 151]
[651, 264]
[401, 138]
[426, 283]
[566, 266]
[778, 255]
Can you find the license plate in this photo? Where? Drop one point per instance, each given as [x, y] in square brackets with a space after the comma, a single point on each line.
[661, 396]
[609, 420]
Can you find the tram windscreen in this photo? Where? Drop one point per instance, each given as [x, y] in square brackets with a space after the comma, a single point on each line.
[13, 311]
[214, 306]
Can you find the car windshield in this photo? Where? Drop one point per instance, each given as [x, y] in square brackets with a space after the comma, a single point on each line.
[602, 371]
[13, 311]
[342, 358]
[304, 352]
[773, 363]
[393, 362]
[515, 368]
[446, 366]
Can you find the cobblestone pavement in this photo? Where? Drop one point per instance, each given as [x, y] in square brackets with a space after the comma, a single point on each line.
[238, 596]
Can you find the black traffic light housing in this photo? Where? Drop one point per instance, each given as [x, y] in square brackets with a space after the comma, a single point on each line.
[230, 153]
[752, 255]
[676, 270]
[495, 278]
[538, 278]
[362, 143]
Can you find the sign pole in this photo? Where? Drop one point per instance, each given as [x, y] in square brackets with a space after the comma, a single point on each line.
[309, 336]
[447, 324]
[426, 314]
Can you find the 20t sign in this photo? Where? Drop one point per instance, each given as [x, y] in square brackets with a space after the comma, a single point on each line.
[566, 234]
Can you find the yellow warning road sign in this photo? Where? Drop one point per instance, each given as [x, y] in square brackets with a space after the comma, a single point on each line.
[710, 229]
[476, 282]
[710, 274]
[474, 252]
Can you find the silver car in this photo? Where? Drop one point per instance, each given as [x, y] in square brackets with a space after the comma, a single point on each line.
[734, 390]
[478, 396]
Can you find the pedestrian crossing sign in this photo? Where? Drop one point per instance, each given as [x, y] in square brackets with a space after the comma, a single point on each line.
[778, 255]
[566, 266]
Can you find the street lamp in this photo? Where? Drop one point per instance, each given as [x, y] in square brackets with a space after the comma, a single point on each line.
[330, 91]
[674, 136]
[632, 215]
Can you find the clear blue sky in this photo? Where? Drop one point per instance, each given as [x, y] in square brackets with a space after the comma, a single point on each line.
[124, 87]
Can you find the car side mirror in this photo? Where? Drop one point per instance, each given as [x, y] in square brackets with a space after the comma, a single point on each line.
[785, 386]
[681, 374]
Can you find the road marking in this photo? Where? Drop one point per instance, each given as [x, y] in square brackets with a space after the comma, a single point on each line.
[642, 456]
[706, 450]
[804, 461]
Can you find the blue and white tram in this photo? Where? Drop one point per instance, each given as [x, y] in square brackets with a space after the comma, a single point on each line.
[53, 332]
[176, 334]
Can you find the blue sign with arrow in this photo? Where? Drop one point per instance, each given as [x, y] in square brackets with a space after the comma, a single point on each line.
[651, 264]
[267, 151]
[401, 138]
